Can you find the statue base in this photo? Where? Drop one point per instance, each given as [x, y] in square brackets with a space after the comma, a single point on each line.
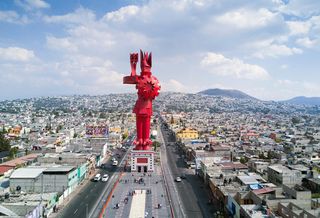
[142, 161]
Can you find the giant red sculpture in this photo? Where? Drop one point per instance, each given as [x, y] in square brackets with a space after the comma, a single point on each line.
[148, 88]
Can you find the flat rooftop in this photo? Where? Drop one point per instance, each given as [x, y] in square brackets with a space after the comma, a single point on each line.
[27, 173]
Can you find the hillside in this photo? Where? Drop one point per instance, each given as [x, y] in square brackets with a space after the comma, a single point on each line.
[304, 100]
[227, 93]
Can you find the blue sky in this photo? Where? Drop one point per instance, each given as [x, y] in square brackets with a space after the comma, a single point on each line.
[266, 48]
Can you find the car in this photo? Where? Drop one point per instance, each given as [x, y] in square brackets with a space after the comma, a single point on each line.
[97, 177]
[115, 163]
[178, 179]
[105, 178]
[183, 176]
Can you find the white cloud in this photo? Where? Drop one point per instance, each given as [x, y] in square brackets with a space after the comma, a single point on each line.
[299, 27]
[174, 86]
[220, 65]
[16, 54]
[32, 4]
[270, 48]
[12, 17]
[122, 14]
[91, 74]
[246, 19]
[61, 44]
[307, 42]
[80, 16]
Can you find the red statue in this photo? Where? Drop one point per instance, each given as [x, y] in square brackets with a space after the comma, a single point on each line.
[148, 88]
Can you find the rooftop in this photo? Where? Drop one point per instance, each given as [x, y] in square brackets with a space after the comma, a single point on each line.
[27, 173]
[59, 169]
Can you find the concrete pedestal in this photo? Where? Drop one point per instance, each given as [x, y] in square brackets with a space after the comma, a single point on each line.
[142, 161]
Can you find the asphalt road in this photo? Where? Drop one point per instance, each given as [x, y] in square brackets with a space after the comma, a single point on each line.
[192, 191]
[86, 199]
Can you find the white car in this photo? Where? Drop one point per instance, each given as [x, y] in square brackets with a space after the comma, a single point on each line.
[115, 163]
[178, 179]
[105, 178]
[97, 177]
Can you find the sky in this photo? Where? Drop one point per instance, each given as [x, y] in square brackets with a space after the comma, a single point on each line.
[266, 48]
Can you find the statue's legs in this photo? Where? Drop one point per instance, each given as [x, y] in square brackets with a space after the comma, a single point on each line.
[139, 127]
[146, 133]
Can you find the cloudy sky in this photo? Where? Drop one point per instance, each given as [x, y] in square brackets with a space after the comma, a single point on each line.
[266, 48]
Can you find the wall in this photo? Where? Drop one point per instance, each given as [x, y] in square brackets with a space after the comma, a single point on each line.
[233, 207]
[55, 182]
[28, 185]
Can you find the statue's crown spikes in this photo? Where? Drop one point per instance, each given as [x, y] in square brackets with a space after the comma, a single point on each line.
[145, 61]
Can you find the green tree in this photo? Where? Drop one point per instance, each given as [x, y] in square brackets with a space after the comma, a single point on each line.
[13, 152]
[295, 120]
[155, 145]
[243, 160]
[124, 135]
[4, 143]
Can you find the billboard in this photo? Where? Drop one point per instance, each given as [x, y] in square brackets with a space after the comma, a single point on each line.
[97, 131]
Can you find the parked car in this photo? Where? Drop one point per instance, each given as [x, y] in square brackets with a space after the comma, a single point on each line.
[97, 177]
[178, 179]
[105, 178]
[183, 176]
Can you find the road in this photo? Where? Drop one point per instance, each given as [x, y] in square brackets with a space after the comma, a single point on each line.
[192, 192]
[85, 201]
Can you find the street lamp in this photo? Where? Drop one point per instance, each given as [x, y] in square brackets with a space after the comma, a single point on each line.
[87, 215]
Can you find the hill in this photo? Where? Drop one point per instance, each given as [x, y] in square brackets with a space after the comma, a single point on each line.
[304, 100]
[230, 93]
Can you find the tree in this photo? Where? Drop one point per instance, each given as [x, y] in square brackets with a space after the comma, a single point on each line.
[124, 135]
[13, 152]
[155, 145]
[295, 120]
[243, 160]
[4, 143]
[261, 156]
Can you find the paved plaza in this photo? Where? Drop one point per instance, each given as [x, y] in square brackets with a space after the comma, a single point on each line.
[139, 195]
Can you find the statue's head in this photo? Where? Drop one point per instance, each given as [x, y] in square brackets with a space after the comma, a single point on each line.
[145, 62]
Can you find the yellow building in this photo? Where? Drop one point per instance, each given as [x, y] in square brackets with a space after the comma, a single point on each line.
[115, 129]
[15, 132]
[188, 133]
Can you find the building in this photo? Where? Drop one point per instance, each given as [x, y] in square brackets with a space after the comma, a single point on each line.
[44, 179]
[187, 133]
[279, 174]
[60, 179]
[29, 180]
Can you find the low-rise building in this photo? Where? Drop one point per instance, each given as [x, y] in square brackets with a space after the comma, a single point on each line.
[279, 174]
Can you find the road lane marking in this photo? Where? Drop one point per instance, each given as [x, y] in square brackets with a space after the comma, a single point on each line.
[75, 211]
